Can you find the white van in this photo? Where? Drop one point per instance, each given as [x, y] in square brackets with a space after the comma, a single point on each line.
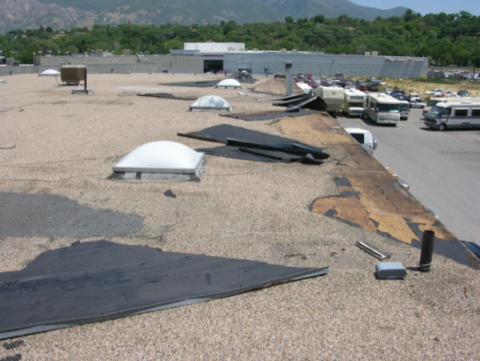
[364, 137]
[382, 108]
[354, 103]
[464, 115]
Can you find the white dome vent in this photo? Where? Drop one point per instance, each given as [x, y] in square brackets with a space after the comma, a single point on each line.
[162, 160]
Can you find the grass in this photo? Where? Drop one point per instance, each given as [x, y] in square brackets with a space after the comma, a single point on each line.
[422, 85]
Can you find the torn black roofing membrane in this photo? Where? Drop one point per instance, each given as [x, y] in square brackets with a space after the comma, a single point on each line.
[268, 115]
[167, 96]
[248, 144]
[101, 280]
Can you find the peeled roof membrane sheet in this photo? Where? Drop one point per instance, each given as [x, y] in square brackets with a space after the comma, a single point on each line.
[98, 281]
[211, 102]
[160, 157]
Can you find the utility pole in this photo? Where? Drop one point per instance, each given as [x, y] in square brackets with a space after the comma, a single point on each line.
[129, 45]
[475, 56]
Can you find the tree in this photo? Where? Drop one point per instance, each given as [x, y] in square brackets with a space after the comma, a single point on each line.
[289, 20]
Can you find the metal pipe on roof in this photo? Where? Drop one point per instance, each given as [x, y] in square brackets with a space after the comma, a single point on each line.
[288, 77]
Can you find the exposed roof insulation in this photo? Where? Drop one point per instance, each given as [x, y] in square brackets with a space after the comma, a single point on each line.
[97, 281]
[210, 103]
[151, 160]
[49, 72]
[229, 83]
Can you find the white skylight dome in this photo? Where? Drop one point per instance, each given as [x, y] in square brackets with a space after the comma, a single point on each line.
[161, 160]
[2, 81]
[210, 103]
[229, 84]
[49, 72]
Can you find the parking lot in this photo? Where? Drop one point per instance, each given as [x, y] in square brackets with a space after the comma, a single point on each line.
[441, 168]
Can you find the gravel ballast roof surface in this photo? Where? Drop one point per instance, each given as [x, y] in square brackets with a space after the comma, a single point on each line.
[56, 143]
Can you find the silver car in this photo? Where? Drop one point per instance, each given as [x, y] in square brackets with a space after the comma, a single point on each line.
[417, 103]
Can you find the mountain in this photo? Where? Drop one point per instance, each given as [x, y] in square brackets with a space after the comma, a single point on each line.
[65, 14]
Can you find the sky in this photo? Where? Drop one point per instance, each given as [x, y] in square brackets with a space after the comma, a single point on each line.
[426, 7]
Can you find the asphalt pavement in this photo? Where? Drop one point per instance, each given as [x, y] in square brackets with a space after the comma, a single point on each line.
[441, 168]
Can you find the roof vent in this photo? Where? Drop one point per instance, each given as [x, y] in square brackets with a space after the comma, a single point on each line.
[162, 160]
[210, 103]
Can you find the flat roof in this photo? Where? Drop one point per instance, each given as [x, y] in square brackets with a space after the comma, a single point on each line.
[56, 144]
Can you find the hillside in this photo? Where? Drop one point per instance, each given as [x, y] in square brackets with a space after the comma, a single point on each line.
[65, 14]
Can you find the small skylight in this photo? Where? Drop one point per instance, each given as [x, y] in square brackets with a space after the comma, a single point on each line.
[2, 81]
[210, 103]
[229, 84]
[49, 72]
[161, 160]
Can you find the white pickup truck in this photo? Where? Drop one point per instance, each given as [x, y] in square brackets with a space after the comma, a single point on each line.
[364, 137]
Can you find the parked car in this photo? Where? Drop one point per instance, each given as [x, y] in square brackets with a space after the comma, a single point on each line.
[417, 103]
[373, 87]
[362, 86]
[399, 96]
[413, 96]
[464, 93]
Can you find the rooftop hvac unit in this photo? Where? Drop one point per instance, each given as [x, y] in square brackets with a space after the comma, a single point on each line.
[283, 51]
[367, 53]
[294, 50]
[73, 74]
[374, 53]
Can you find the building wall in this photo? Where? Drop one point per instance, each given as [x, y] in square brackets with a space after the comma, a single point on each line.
[274, 63]
[328, 65]
[127, 64]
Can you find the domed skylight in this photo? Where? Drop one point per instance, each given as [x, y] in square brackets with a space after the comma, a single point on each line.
[229, 83]
[49, 72]
[210, 103]
[162, 157]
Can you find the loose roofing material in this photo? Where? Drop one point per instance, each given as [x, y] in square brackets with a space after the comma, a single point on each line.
[210, 103]
[98, 281]
[229, 84]
[49, 72]
[252, 145]
[161, 160]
